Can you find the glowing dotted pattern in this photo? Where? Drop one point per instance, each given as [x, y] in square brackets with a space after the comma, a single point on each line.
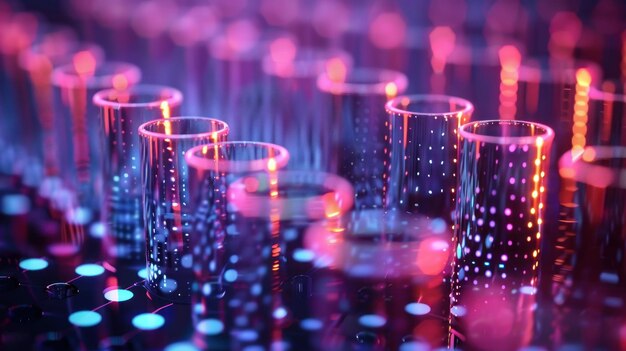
[167, 202]
[423, 138]
[500, 206]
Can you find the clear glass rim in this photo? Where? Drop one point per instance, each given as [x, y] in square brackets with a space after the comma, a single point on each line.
[281, 157]
[466, 106]
[385, 77]
[223, 130]
[102, 97]
[577, 165]
[65, 76]
[313, 207]
[547, 135]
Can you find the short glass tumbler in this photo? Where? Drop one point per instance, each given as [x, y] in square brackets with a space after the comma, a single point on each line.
[168, 216]
[423, 141]
[121, 114]
[500, 209]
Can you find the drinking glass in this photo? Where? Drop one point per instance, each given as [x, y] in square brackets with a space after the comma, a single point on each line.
[423, 142]
[501, 203]
[121, 113]
[358, 133]
[167, 212]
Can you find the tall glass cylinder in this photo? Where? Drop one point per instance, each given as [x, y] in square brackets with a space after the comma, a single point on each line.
[501, 204]
[55, 50]
[77, 126]
[237, 89]
[423, 142]
[359, 134]
[591, 263]
[299, 123]
[121, 114]
[216, 236]
[167, 212]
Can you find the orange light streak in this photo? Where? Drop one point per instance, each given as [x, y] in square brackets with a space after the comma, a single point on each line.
[581, 108]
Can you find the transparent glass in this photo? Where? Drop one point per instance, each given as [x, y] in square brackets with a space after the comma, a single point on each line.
[168, 215]
[501, 203]
[79, 153]
[212, 169]
[300, 122]
[423, 142]
[121, 113]
[268, 214]
[55, 49]
[357, 146]
[237, 89]
[382, 271]
[590, 264]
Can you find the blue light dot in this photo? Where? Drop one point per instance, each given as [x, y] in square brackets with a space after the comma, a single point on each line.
[414, 346]
[85, 318]
[280, 313]
[417, 309]
[230, 275]
[97, 230]
[372, 320]
[303, 255]
[79, 215]
[528, 290]
[15, 205]
[33, 264]
[246, 335]
[458, 311]
[181, 346]
[143, 273]
[148, 321]
[311, 324]
[89, 270]
[119, 295]
[438, 225]
[210, 326]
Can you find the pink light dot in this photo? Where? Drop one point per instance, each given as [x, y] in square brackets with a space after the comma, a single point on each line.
[523, 164]
[507, 211]
[511, 180]
[492, 210]
[523, 199]
[492, 224]
[504, 258]
[512, 197]
[510, 164]
[509, 226]
[510, 243]
[512, 148]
